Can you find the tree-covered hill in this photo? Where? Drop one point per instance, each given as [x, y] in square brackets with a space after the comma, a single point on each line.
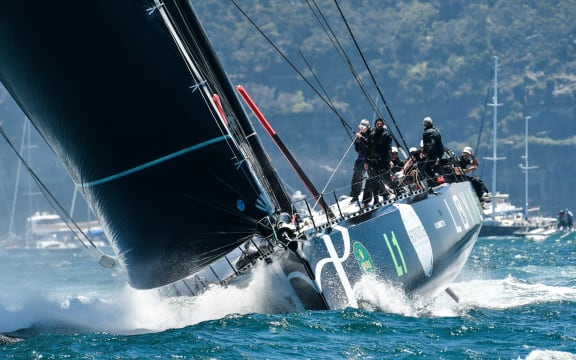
[429, 58]
[422, 53]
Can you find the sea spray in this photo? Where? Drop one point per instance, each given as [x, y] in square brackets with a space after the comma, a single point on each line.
[127, 310]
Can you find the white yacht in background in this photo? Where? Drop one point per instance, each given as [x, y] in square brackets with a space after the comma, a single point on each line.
[501, 217]
[46, 230]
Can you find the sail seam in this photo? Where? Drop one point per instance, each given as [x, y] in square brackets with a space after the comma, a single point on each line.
[156, 162]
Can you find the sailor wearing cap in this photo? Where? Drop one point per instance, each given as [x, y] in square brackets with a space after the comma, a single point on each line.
[360, 164]
[396, 164]
[467, 161]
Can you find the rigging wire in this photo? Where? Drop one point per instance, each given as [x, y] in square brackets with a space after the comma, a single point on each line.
[346, 59]
[17, 183]
[346, 108]
[206, 80]
[326, 100]
[288, 61]
[338, 46]
[488, 88]
[340, 49]
[344, 123]
[104, 259]
[373, 78]
[337, 167]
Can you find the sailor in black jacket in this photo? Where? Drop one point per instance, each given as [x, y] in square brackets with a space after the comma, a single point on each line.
[433, 149]
[361, 163]
[379, 163]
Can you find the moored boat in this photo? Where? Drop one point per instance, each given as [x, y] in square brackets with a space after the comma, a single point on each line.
[501, 218]
[48, 230]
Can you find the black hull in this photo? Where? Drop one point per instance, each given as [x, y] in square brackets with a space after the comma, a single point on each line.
[419, 243]
[493, 228]
[433, 238]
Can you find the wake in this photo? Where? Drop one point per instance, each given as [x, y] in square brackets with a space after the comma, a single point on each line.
[130, 311]
[490, 294]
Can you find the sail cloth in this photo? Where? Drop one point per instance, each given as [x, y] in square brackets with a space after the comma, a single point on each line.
[113, 93]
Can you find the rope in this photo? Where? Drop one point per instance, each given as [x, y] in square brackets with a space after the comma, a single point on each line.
[361, 53]
[68, 220]
[337, 166]
[291, 64]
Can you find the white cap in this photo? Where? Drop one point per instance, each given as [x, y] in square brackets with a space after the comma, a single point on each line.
[365, 122]
[427, 121]
[468, 150]
[412, 149]
[394, 149]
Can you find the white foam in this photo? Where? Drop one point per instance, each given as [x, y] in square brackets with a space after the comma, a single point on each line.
[550, 355]
[149, 310]
[123, 309]
[377, 295]
[130, 310]
[500, 294]
[509, 293]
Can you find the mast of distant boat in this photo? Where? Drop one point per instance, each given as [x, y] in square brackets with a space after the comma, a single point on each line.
[495, 105]
[24, 150]
[11, 233]
[525, 167]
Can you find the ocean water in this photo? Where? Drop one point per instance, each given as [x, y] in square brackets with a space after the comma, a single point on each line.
[517, 301]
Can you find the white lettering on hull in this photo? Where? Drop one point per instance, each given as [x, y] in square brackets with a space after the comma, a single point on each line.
[337, 261]
[418, 237]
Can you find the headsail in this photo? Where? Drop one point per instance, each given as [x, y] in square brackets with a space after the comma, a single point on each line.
[113, 90]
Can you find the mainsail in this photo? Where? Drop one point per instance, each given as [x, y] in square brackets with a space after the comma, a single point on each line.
[123, 92]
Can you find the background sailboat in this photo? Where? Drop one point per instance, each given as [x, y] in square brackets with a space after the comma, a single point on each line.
[540, 226]
[42, 226]
[501, 217]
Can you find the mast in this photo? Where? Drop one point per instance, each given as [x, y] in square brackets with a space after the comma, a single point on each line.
[495, 123]
[525, 167]
[17, 182]
[495, 105]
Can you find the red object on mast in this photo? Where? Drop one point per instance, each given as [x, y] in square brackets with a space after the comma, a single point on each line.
[218, 104]
[283, 149]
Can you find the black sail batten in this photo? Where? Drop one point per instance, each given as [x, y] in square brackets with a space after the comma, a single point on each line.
[108, 89]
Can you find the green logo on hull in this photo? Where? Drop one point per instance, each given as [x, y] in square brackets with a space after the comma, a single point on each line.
[399, 263]
[363, 257]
